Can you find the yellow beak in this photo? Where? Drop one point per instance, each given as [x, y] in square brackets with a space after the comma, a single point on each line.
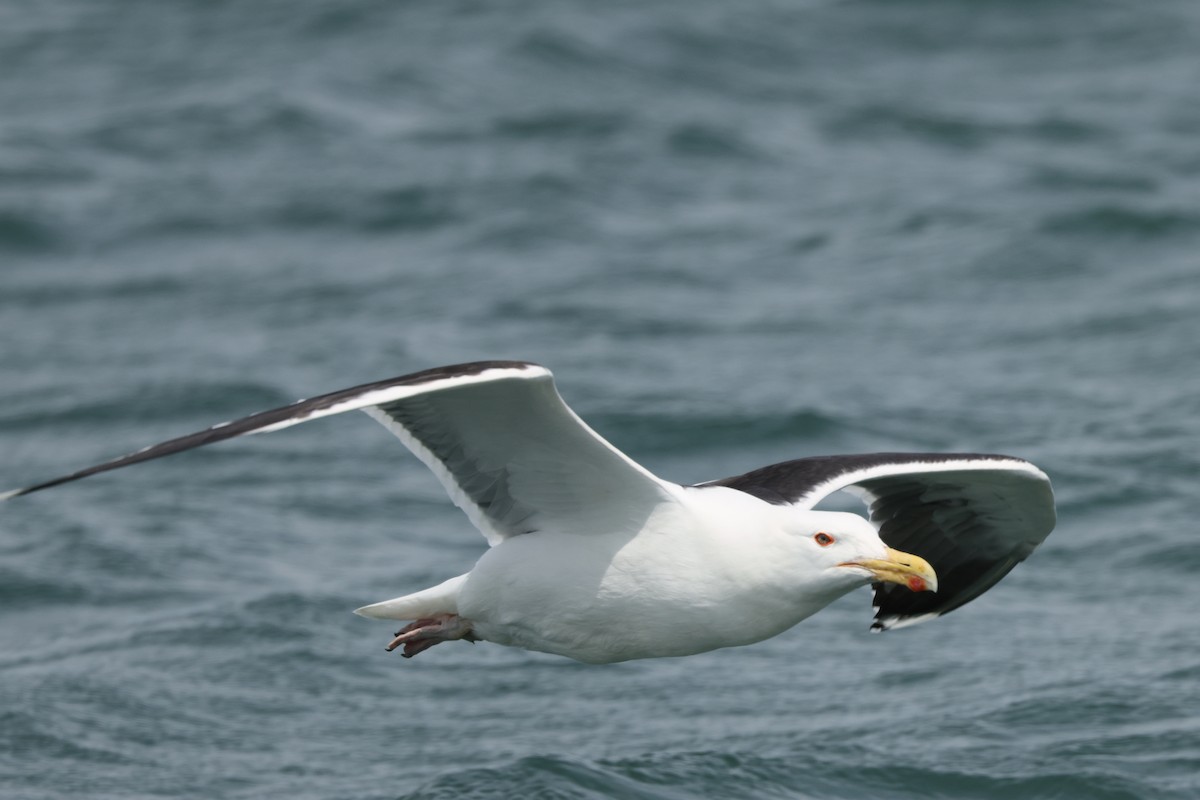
[902, 568]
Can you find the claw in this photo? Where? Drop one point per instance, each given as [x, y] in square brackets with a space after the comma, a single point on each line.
[425, 633]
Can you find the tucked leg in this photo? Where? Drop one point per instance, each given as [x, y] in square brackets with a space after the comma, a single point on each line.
[425, 633]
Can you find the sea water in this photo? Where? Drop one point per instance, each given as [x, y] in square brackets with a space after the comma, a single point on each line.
[738, 232]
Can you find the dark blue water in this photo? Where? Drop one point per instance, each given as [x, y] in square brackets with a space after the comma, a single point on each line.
[738, 232]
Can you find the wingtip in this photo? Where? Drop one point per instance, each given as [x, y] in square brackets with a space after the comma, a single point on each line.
[11, 494]
[891, 623]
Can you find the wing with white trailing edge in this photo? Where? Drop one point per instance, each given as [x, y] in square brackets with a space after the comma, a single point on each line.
[497, 435]
[972, 516]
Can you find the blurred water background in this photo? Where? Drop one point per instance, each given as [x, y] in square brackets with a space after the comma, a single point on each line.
[739, 232]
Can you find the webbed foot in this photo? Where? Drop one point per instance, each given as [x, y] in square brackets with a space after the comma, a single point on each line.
[425, 633]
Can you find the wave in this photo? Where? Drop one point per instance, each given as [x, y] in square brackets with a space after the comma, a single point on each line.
[821, 774]
[943, 128]
[688, 433]
[24, 232]
[1123, 220]
[186, 401]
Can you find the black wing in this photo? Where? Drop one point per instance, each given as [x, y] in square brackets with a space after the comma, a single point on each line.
[972, 516]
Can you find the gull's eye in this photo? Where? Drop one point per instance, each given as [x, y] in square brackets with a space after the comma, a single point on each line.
[823, 539]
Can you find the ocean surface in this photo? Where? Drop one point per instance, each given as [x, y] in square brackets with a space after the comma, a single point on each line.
[738, 232]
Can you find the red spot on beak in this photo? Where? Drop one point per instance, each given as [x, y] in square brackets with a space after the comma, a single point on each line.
[917, 584]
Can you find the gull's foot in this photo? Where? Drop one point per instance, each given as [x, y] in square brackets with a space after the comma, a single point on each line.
[425, 633]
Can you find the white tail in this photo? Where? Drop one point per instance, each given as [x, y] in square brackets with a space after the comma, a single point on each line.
[440, 599]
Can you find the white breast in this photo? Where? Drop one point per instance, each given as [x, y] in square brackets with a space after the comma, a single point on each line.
[713, 572]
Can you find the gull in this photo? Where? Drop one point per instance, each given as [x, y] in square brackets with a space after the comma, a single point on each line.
[594, 558]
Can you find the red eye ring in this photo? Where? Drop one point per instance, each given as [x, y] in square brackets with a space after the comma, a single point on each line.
[824, 539]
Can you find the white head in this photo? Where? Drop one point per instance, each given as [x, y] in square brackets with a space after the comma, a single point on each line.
[842, 551]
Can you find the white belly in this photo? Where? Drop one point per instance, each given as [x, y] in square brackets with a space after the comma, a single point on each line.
[670, 591]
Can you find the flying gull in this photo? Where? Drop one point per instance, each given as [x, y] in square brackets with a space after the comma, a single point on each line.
[593, 557]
